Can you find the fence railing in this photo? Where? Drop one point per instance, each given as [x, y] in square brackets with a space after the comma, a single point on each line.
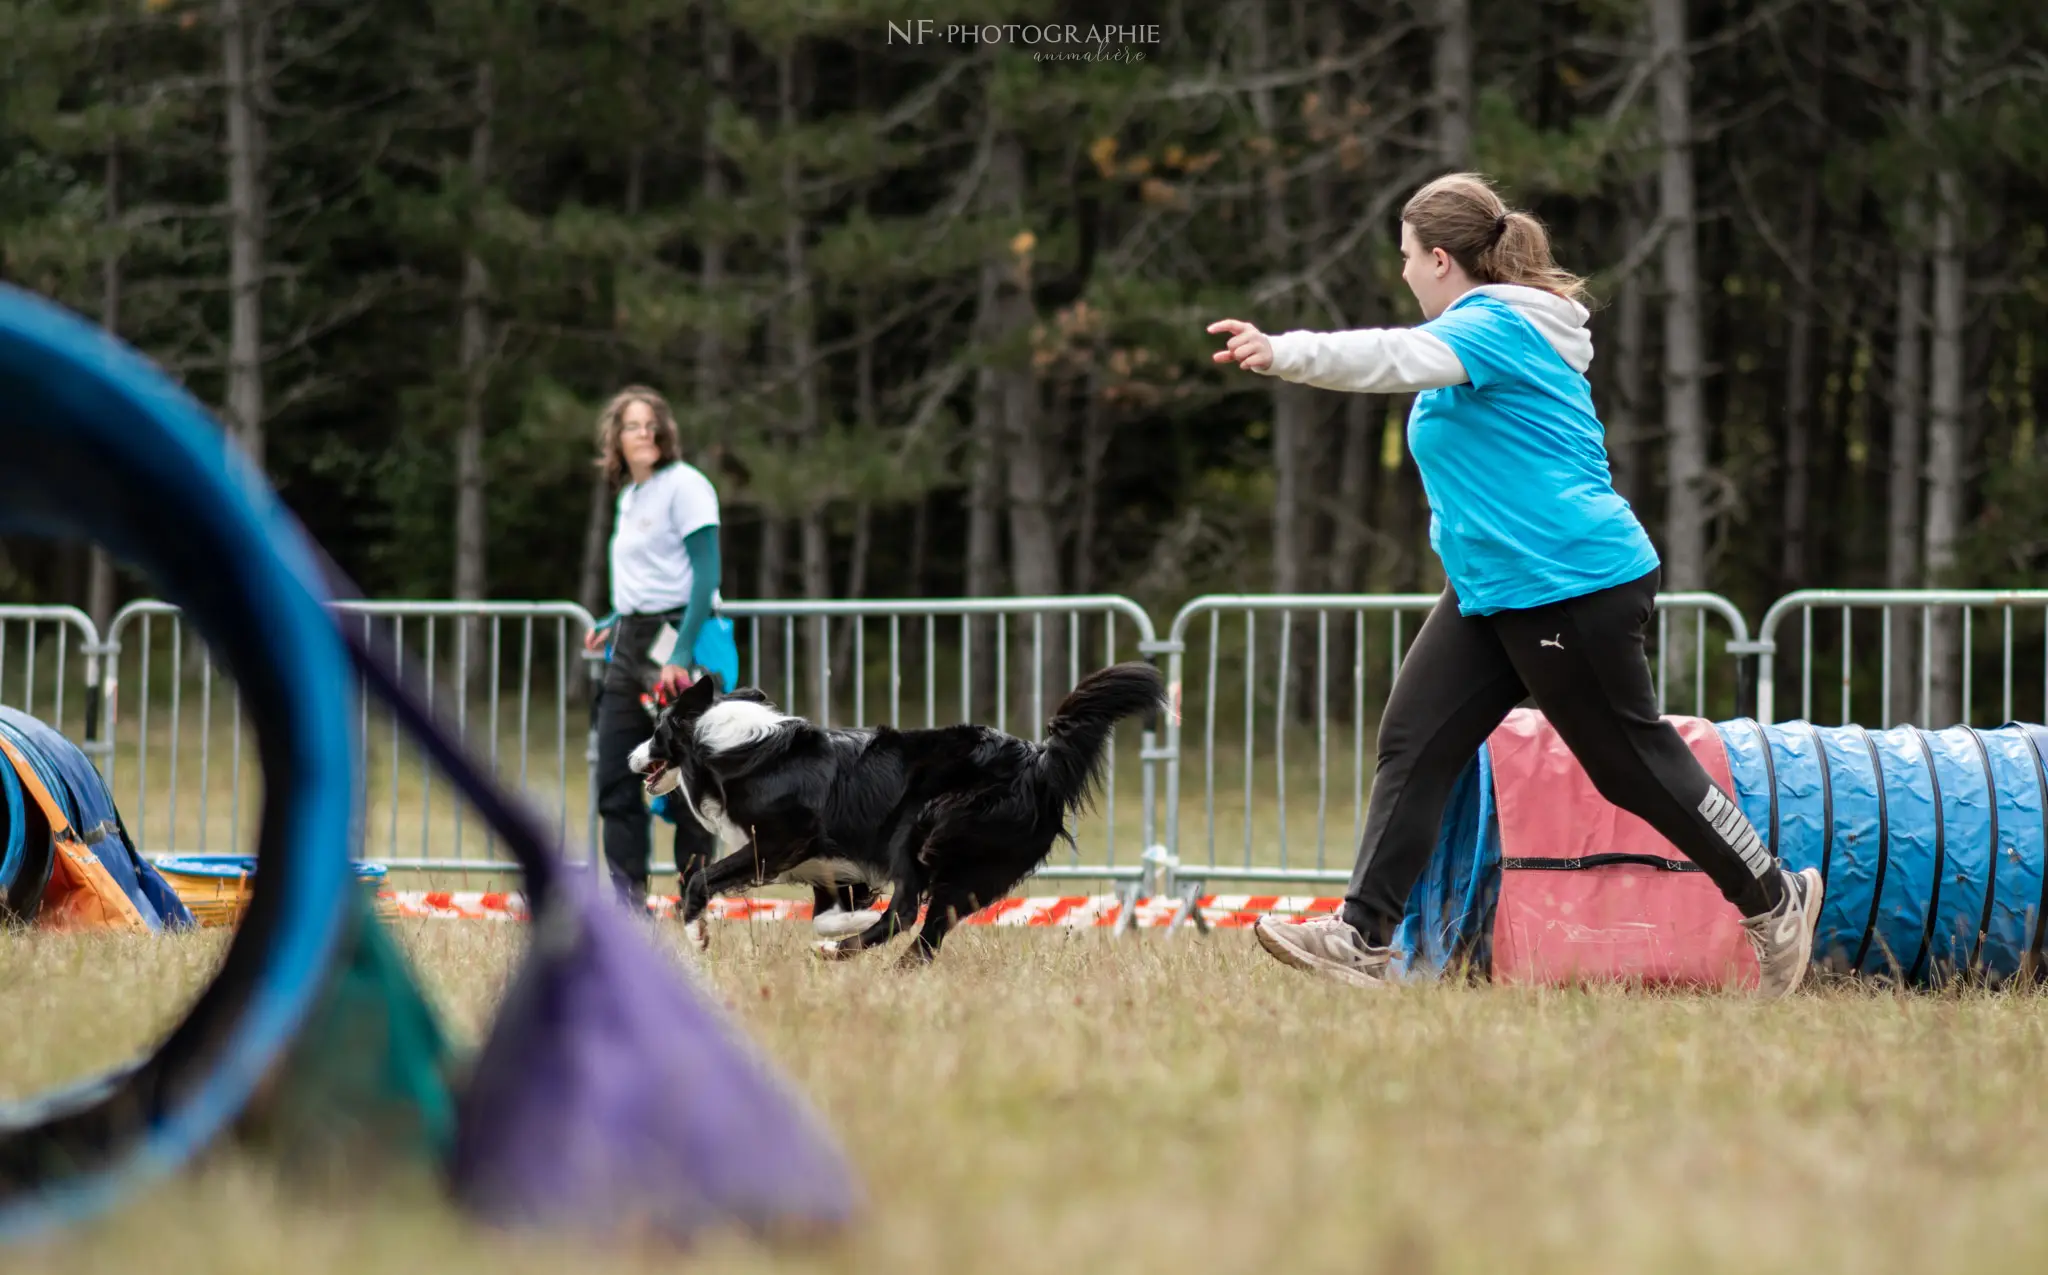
[1919, 655]
[178, 754]
[1283, 703]
[1003, 662]
[50, 669]
[1262, 775]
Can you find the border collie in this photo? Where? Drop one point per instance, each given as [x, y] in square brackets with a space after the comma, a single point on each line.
[951, 817]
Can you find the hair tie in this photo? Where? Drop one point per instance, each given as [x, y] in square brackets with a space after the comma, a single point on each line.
[1500, 227]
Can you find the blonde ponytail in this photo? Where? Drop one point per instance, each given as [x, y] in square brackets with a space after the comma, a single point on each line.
[1461, 214]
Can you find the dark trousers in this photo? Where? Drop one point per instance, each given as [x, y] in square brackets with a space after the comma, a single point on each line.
[623, 725]
[1582, 662]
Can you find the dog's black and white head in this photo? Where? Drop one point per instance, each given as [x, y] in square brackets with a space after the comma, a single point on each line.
[699, 734]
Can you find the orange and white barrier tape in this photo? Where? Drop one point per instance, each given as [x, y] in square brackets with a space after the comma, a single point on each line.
[1097, 911]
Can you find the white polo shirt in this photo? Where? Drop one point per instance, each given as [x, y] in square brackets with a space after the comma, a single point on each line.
[650, 568]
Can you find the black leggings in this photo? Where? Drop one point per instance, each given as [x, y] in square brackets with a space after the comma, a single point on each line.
[1582, 661]
[622, 726]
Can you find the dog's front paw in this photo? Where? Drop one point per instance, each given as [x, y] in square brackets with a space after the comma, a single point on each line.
[835, 950]
[838, 925]
[699, 934]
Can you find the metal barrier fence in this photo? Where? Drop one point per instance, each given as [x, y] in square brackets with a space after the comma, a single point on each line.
[1004, 662]
[1277, 703]
[1930, 663]
[49, 669]
[170, 720]
[175, 756]
[1285, 700]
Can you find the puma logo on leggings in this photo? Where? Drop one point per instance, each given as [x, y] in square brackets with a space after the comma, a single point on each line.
[1726, 819]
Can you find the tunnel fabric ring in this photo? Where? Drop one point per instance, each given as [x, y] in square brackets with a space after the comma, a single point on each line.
[103, 446]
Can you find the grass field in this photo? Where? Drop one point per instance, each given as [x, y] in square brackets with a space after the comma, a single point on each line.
[1055, 1101]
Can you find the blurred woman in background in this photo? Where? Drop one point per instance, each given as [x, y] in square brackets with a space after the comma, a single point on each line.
[664, 585]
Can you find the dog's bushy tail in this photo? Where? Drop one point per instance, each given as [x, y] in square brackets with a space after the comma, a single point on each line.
[1078, 733]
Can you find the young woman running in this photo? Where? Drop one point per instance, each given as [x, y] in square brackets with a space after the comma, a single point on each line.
[1552, 581]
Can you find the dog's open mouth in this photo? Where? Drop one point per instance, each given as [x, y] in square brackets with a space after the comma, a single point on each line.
[655, 771]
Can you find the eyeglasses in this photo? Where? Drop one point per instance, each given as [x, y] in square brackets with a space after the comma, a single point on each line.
[638, 427]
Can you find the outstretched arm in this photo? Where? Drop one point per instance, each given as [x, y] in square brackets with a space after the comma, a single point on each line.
[1365, 360]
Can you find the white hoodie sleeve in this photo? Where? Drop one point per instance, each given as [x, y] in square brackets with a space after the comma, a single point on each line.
[1366, 361]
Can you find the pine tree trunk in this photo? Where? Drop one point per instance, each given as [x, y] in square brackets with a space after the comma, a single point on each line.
[597, 522]
[1095, 437]
[1792, 557]
[596, 526]
[815, 546]
[243, 66]
[1795, 566]
[772, 571]
[1406, 526]
[863, 516]
[1351, 526]
[1903, 526]
[100, 583]
[920, 545]
[476, 369]
[712, 247]
[814, 543]
[1684, 420]
[1353, 493]
[1625, 412]
[1034, 544]
[1034, 553]
[100, 594]
[1452, 83]
[984, 494]
[861, 554]
[1357, 461]
[984, 514]
[1945, 442]
[1040, 663]
[1294, 406]
[1685, 426]
[1293, 413]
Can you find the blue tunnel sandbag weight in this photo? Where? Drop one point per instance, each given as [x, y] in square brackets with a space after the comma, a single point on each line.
[102, 446]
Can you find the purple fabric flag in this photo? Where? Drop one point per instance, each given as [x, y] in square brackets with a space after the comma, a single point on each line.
[611, 1097]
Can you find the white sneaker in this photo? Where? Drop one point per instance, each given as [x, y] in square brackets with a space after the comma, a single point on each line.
[1325, 945]
[1783, 936]
[839, 924]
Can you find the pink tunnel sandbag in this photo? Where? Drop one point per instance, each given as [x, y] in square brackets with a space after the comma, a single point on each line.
[1592, 893]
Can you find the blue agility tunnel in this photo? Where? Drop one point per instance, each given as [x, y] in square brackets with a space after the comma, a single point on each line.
[1931, 846]
[1930, 843]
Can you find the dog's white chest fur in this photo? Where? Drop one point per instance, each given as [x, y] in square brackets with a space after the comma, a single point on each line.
[711, 814]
